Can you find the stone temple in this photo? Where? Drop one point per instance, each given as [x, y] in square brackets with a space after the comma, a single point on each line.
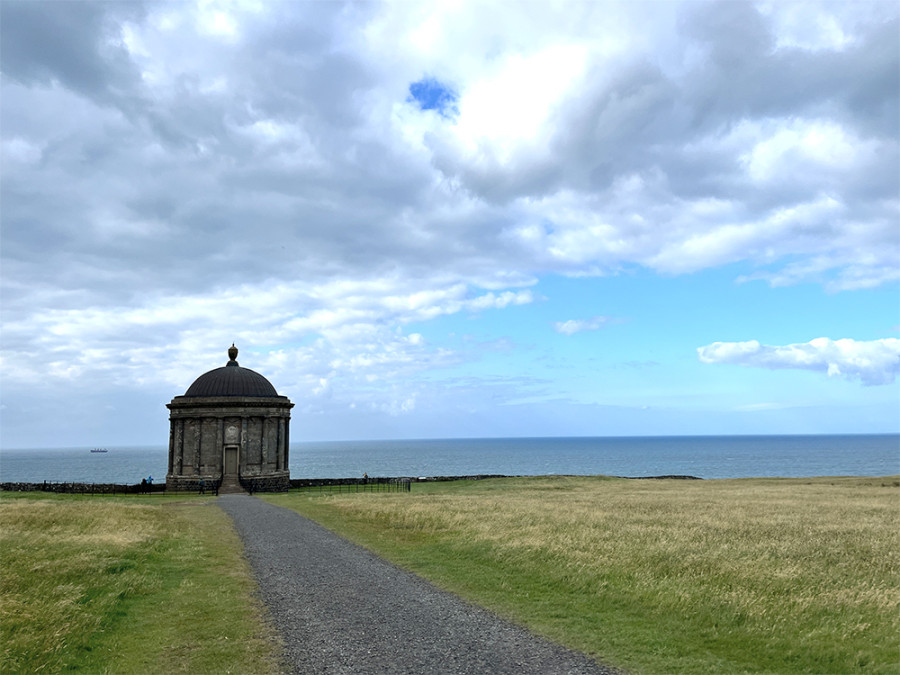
[230, 425]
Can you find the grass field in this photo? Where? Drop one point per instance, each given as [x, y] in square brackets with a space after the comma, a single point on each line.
[659, 576]
[126, 585]
[761, 575]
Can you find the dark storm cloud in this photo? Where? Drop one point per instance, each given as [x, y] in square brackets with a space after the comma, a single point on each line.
[74, 43]
[743, 76]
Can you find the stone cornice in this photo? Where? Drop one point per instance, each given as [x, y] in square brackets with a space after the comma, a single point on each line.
[228, 405]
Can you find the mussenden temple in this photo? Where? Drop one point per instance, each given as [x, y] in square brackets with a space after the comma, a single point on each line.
[230, 426]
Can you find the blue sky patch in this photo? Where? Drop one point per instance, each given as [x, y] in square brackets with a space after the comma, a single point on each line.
[431, 94]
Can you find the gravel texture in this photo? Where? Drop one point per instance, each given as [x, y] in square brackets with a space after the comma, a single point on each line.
[341, 609]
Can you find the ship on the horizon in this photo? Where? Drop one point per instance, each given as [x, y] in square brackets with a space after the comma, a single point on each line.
[99, 450]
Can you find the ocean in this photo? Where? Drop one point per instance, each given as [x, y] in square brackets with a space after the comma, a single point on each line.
[701, 456]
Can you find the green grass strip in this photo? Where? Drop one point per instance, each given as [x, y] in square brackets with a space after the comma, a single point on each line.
[127, 585]
[659, 576]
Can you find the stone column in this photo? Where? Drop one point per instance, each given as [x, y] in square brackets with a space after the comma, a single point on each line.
[272, 441]
[198, 443]
[265, 452]
[279, 443]
[178, 449]
[171, 446]
[245, 442]
[260, 426]
[287, 443]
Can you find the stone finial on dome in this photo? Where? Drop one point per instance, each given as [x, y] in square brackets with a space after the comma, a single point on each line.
[232, 355]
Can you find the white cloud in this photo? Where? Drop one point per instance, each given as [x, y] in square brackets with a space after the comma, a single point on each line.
[761, 407]
[19, 150]
[510, 110]
[872, 362]
[343, 329]
[573, 326]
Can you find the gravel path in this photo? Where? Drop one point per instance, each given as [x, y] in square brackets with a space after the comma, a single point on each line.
[341, 609]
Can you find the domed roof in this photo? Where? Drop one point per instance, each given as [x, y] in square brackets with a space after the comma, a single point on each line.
[231, 380]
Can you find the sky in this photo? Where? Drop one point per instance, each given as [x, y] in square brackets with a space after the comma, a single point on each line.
[451, 219]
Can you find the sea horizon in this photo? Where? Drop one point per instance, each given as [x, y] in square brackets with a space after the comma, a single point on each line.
[703, 456]
[406, 439]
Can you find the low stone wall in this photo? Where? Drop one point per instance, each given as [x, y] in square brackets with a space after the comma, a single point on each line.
[266, 483]
[81, 488]
[180, 484]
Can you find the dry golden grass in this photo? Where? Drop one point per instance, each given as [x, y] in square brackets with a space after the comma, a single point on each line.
[663, 576]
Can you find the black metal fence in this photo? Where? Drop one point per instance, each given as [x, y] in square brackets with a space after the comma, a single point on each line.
[347, 488]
